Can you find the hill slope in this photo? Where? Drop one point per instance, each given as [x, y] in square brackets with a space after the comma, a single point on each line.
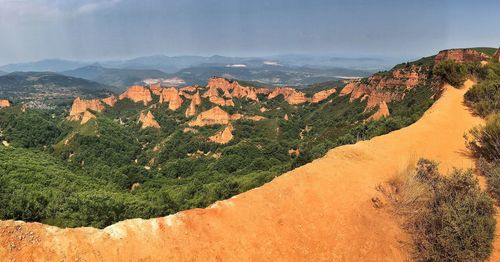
[42, 86]
[321, 211]
[120, 78]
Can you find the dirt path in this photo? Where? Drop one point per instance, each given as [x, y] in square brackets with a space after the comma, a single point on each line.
[322, 211]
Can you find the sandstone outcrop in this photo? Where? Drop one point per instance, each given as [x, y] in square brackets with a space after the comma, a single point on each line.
[110, 101]
[229, 89]
[214, 116]
[4, 103]
[148, 120]
[380, 88]
[322, 95]
[87, 116]
[172, 97]
[137, 94]
[224, 136]
[383, 111]
[155, 89]
[189, 89]
[81, 106]
[291, 96]
[195, 101]
[461, 55]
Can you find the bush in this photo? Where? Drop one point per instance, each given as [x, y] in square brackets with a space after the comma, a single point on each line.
[484, 97]
[449, 218]
[484, 142]
[451, 72]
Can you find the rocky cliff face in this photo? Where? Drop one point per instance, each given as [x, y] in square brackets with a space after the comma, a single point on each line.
[87, 116]
[383, 111]
[81, 106]
[4, 103]
[290, 95]
[156, 89]
[137, 94]
[322, 95]
[214, 116]
[380, 88]
[461, 56]
[224, 136]
[172, 97]
[110, 101]
[148, 120]
[195, 101]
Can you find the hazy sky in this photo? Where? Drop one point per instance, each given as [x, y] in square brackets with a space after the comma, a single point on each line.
[104, 29]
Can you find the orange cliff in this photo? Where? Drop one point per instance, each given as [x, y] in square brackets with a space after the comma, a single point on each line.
[461, 55]
[195, 101]
[4, 103]
[322, 95]
[172, 97]
[148, 120]
[110, 101]
[213, 116]
[224, 136]
[79, 109]
[380, 88]
[291, 96]
[383, 111]
[137, 94]
[322, 211]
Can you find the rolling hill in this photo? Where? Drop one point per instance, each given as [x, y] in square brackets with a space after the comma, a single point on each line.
[47, 86]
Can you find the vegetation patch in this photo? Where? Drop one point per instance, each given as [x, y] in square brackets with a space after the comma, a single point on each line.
[448, 217]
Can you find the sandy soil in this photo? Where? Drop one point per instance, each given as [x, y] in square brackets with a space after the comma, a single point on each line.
[323, 211]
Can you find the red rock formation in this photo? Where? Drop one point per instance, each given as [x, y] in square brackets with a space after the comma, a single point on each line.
[137, 94]
[322, 95]
[172, 97]
[81, 106]
[4, 103]
[286, 117]
[229, 89]
[214, 116]
[148, 120]
[155, 88]
[189, 89]
[290, 95]
[110, 101]
[496, 55]
[383, 111]
[87, 116]
[195, 101]
[380, 88]
[224, 136]
[461, 56]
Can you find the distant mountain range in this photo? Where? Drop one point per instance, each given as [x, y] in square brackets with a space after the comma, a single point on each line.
[284, 70]
[120, 78]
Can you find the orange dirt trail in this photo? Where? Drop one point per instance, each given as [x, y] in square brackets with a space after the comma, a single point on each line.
[322, 211]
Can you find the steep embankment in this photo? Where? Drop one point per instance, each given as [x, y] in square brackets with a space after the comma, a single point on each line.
[321, 211]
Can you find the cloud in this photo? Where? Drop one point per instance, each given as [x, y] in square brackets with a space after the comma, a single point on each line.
[51, 9]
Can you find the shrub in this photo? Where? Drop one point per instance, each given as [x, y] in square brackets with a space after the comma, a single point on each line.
[449, 218]
[451, 72]
[484, 97]
[484, 142]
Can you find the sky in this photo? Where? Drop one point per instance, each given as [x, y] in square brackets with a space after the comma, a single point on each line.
[114, 29]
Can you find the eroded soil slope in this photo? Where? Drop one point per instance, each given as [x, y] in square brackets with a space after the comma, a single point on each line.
[321, 211]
